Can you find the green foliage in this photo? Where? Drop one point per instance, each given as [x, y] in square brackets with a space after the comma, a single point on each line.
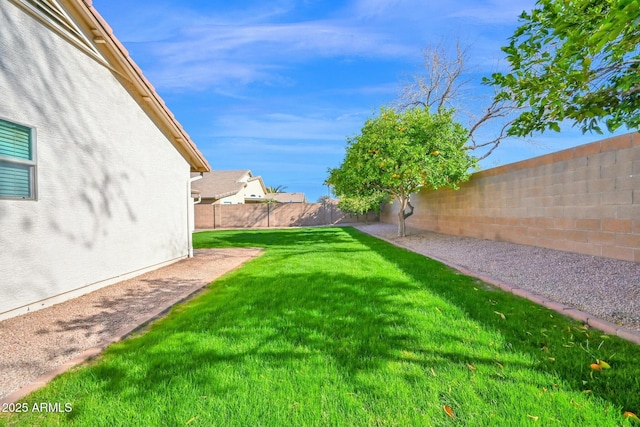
[574, 60]
[399, 153]
[396, 154]
[276, 189]
[360, 205]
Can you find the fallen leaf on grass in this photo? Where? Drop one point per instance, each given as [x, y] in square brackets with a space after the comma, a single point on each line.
[596, 367]
[471, 367]
[533, 417]
[449, 411]
[192, 419]
[433, 372]
[631, 415]
[603, 364]
[501, 315]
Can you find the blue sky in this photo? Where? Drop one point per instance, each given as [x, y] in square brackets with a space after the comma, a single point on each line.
[277, 86]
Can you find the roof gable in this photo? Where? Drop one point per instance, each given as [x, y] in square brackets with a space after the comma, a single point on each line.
[79, 22]
[219, 184]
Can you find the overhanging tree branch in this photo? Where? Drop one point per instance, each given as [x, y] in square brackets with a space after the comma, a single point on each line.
[443, 86]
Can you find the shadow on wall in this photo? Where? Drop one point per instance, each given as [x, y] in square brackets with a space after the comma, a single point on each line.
[86, 170]
[96, 178]
[264, 215]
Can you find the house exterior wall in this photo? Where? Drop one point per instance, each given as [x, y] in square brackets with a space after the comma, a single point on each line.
[234, 199]
[253, 190]
[112, 190]
[585, 200]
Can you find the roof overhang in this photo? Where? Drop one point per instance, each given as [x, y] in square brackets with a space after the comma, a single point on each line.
[116, 57]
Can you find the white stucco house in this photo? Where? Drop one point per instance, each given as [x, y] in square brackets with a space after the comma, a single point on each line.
[230, 187]
[95, 171]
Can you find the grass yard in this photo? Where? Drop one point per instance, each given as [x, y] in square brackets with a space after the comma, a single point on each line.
[333, 327]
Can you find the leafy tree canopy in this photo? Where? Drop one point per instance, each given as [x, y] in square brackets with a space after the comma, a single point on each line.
[362, 204]
[574, 60]
[396, 154]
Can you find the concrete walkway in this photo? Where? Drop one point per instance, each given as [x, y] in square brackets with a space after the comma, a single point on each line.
[40, 345]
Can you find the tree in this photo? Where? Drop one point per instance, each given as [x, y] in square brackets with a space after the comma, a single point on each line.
[363, 204]
[443, 86]
[575, 60]
[397, 153]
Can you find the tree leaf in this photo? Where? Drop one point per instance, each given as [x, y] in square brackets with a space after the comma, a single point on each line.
[449, 411]
[631, 415]
[603, 364]
[501, 315]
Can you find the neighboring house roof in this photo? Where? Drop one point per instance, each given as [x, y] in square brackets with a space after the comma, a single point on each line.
[114, 55]
[286, 197]
[219, 184]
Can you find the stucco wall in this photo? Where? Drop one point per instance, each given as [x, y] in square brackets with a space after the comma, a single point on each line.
[234, 199]
[253, 190]
[585, 199]
[112, 190]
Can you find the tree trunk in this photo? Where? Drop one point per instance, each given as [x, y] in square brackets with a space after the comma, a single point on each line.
[403, 215]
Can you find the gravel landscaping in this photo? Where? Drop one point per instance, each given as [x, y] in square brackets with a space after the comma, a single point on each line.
[603, 287]
[39, 342]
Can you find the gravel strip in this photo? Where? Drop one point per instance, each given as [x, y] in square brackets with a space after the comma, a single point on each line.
[39, 342]
[603, 287]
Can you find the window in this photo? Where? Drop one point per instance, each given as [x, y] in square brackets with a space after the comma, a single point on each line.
[17, 161]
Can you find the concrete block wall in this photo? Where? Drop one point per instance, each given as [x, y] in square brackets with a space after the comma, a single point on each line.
[259, 215]
[584, 199]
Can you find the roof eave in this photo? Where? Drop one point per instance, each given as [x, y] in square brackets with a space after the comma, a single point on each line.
[137, 84]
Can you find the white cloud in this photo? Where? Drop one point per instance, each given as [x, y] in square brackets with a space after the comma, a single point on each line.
[492, 11]
[288, 43]
[181, 48]
[211, 48]
[377, 8]
[268, 146]
[280, 126]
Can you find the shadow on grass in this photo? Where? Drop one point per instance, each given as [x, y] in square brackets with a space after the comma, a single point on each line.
[560, 344]
[289, 238]
[278, 322]
[261, 321]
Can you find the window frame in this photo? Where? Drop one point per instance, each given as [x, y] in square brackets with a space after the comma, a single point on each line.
[32, 163]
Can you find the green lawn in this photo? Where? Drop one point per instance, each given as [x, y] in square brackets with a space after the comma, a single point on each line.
[333, 327]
